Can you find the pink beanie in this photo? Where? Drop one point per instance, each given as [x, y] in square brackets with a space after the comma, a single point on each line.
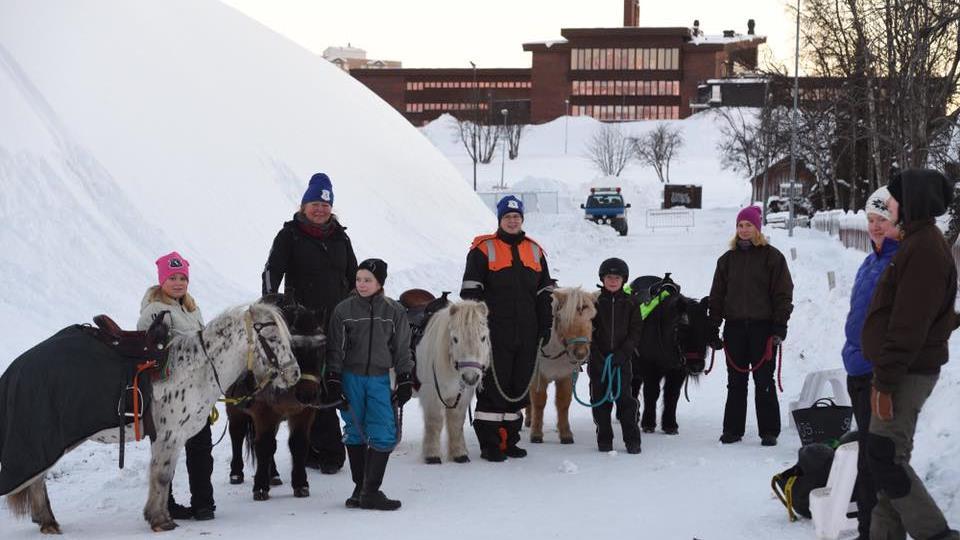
[172, 263]
[752, 214]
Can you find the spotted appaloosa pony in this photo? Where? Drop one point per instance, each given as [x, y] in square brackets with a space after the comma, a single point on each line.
[451, 359]
[567, 350]
[257, 421]
[247, 338]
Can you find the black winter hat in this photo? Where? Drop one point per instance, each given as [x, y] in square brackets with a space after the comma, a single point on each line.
[922, 193]
[616, 267]
[377, 267]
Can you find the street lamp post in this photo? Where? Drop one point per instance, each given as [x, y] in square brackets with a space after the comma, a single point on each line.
[503, 149]
[566, 120]
[793, 128]
[476, 120]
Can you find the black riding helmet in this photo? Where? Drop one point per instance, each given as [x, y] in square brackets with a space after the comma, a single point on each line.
[616, 267]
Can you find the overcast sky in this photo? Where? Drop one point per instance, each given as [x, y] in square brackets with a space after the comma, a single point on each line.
[451, 33]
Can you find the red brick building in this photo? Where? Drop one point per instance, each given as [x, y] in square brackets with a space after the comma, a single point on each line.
[613, 74]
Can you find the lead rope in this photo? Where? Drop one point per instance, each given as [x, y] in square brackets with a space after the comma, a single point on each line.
[613, 377]
[767, 355]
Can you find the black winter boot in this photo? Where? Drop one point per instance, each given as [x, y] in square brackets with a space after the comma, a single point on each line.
[371, 498]
[488, 435]
[357, 456]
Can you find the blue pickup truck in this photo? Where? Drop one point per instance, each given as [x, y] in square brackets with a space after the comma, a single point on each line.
[605, 206]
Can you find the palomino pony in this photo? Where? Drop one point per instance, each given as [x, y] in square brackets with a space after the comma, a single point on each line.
[567, 350]
[258, 420]
[451, 359]
[247, 338]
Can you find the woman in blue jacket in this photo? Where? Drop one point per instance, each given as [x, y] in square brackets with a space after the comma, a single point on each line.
[884, 237]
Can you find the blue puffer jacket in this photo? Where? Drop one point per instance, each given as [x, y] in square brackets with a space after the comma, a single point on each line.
[867, 277]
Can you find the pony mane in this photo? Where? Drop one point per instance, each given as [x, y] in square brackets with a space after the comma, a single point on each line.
[435, 337]
[567, 313]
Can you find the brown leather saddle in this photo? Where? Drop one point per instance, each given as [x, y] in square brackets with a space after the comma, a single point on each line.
[149, 344]
[420, 306]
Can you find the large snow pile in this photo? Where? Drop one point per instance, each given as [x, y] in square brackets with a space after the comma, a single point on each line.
[134, 128]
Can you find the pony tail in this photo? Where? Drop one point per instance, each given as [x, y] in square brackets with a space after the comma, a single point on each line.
[19, 502]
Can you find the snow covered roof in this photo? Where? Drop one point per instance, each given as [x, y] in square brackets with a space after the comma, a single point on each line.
[707, 39]
[547, 42]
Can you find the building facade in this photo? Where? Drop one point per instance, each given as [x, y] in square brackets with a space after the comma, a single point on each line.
[349, 58]
[611, 74]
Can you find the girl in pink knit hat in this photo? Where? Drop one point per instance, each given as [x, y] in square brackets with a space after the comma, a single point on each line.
[170, 295]
[752, 295]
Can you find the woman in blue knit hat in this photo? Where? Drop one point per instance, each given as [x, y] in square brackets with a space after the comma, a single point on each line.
[313, 255]
[508, 270]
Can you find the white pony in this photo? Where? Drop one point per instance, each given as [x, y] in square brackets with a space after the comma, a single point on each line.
[451, 359]
[247, 338]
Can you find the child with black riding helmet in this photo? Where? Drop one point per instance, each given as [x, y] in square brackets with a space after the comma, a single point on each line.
[616, 329]
[369, 335]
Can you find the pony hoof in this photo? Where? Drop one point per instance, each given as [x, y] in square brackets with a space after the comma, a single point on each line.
[301, 492]
[164, 526]
[432, 460]
[462, 459]
[566, 440]
[261, 495]
[276, 481]
[51, 528]
[236, 479]
[536, 439]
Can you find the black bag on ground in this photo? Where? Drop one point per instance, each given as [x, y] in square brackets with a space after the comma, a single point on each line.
[793, 486]
[823, 422]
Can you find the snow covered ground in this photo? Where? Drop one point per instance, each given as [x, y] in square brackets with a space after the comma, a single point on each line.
[91, 138]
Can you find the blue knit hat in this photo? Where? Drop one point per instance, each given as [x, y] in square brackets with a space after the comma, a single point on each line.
[507, 205]
[320, 189]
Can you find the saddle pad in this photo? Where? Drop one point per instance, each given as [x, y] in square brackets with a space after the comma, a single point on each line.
[53, 397]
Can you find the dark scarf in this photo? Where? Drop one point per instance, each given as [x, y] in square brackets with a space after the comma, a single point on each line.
[309, 228]
[512, 239]
[744, 245]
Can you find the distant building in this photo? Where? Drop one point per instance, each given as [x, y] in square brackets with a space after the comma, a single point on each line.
[613, 74]
[778, 180]
[349, 58]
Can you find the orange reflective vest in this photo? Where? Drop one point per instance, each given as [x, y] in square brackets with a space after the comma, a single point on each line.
[499, 255]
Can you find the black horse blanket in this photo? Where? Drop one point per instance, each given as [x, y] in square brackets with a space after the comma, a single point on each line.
[56, 395]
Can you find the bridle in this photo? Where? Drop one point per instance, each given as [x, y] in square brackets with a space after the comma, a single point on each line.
[567, 343]
[251, 329]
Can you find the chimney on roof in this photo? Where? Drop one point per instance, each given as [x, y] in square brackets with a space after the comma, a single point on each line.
[751, 26]
[631, 12]
[729, 33]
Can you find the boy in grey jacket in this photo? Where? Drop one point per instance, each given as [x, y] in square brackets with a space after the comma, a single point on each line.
[368, 335]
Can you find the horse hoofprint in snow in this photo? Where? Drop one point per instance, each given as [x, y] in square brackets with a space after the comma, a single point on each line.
[248, 338]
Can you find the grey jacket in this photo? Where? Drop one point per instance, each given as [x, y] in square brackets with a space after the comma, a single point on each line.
[368, 336]
[182, 322]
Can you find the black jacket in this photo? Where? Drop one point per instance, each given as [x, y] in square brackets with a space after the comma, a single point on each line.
[616, 327]
[517, 296]
[321, 272]
[752, 284]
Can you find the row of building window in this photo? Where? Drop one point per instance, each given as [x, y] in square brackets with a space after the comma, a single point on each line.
[418, 85]
[625, 59]
[420, 107]
[627, 112]
[626, 88]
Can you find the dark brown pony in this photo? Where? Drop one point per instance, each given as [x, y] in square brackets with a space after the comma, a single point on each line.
[257, 419]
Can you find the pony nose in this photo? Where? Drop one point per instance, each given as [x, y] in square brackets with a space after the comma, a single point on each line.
[470, 377]
[580, 353]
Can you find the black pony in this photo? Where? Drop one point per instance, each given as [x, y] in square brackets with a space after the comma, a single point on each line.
[257, 418]
[672, 347]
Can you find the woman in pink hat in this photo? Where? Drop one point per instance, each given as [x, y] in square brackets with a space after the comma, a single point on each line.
[170, 295]
[753, 292]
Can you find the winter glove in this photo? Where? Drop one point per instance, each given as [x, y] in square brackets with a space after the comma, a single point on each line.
[881, 404]
[619, 359]
[334, 391]
[716, 342]
[779, 332]
[545, 335]
[404, 389]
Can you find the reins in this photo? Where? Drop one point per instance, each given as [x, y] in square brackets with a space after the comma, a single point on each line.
[463, 385]
[613, 377]
[768, 355]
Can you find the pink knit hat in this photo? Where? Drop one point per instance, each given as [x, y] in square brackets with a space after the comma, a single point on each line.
[752, 214]
[172, 263]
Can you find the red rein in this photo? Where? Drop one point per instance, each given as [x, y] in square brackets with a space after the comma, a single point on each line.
[767, 355]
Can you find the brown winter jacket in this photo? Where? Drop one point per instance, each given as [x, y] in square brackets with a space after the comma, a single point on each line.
[911, 315]
[752, 284]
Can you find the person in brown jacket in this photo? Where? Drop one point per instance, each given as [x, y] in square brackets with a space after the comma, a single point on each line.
[753, 292]
[908, 323]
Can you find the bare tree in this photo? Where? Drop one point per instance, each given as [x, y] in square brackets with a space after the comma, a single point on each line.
[657, 147]
[513, 135]
[609, 150]
[480, 140]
